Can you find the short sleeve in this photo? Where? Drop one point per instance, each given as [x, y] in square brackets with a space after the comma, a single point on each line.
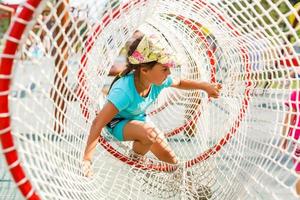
[119, 98]
[168, 82]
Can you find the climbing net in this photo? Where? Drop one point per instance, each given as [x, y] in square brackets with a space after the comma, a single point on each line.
[55, 64]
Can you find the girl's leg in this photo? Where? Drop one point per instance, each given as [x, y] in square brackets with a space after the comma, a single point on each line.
[142, 135]
[297, 168]
[146, 138]
[298, 185]
[163, 151]
[297, 154]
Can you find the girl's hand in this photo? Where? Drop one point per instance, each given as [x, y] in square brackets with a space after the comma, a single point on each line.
[87, 169]
[212, 89]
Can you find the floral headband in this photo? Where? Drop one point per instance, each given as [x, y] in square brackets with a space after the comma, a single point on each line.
[147, 52]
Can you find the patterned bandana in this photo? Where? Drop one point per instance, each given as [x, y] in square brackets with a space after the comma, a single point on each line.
[147, 52]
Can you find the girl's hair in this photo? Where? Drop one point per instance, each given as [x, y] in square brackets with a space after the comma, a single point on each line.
[130, 67]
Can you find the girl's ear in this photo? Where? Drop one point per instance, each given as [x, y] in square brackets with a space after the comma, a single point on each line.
[144, 70]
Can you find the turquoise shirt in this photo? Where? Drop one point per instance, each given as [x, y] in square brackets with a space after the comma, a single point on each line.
[127, 100]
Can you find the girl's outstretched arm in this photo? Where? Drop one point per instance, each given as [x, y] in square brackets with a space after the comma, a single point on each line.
[104, 117]
[212, 89]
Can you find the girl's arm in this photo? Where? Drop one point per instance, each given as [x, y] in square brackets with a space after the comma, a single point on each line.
[212, 89]
[104, 117]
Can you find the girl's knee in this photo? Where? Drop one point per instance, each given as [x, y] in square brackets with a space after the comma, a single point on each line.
[174, 161]
[149, 135]
[141, 132]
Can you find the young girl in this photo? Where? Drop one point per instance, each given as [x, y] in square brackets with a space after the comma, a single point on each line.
[146, 75]
[292, 121]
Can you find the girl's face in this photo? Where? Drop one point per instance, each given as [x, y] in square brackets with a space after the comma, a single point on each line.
[157, 74]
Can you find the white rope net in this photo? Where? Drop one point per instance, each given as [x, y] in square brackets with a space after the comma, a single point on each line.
[53, 72]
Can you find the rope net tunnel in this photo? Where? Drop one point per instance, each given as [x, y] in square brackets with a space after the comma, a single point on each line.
[54, 70]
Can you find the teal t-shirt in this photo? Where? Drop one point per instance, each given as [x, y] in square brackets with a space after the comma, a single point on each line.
[127, 100]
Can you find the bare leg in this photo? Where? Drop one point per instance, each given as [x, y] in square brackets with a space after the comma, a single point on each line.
[60, 91]
[145, 139]
[140, 148]
[298, 186]
[163, 152]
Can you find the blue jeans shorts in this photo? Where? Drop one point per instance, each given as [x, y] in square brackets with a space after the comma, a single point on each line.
[116, 127]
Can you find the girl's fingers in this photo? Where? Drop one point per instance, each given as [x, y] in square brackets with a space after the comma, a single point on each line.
[214, 95]
[214, 90]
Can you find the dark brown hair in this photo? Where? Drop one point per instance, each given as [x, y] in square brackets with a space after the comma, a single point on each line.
[130, 67]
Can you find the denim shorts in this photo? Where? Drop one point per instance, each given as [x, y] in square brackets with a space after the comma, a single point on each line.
[116, 127]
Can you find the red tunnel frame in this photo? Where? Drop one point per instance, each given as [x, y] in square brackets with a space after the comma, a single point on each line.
[84, 98]
[6, 67]
[205, 155]
[7, 141]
